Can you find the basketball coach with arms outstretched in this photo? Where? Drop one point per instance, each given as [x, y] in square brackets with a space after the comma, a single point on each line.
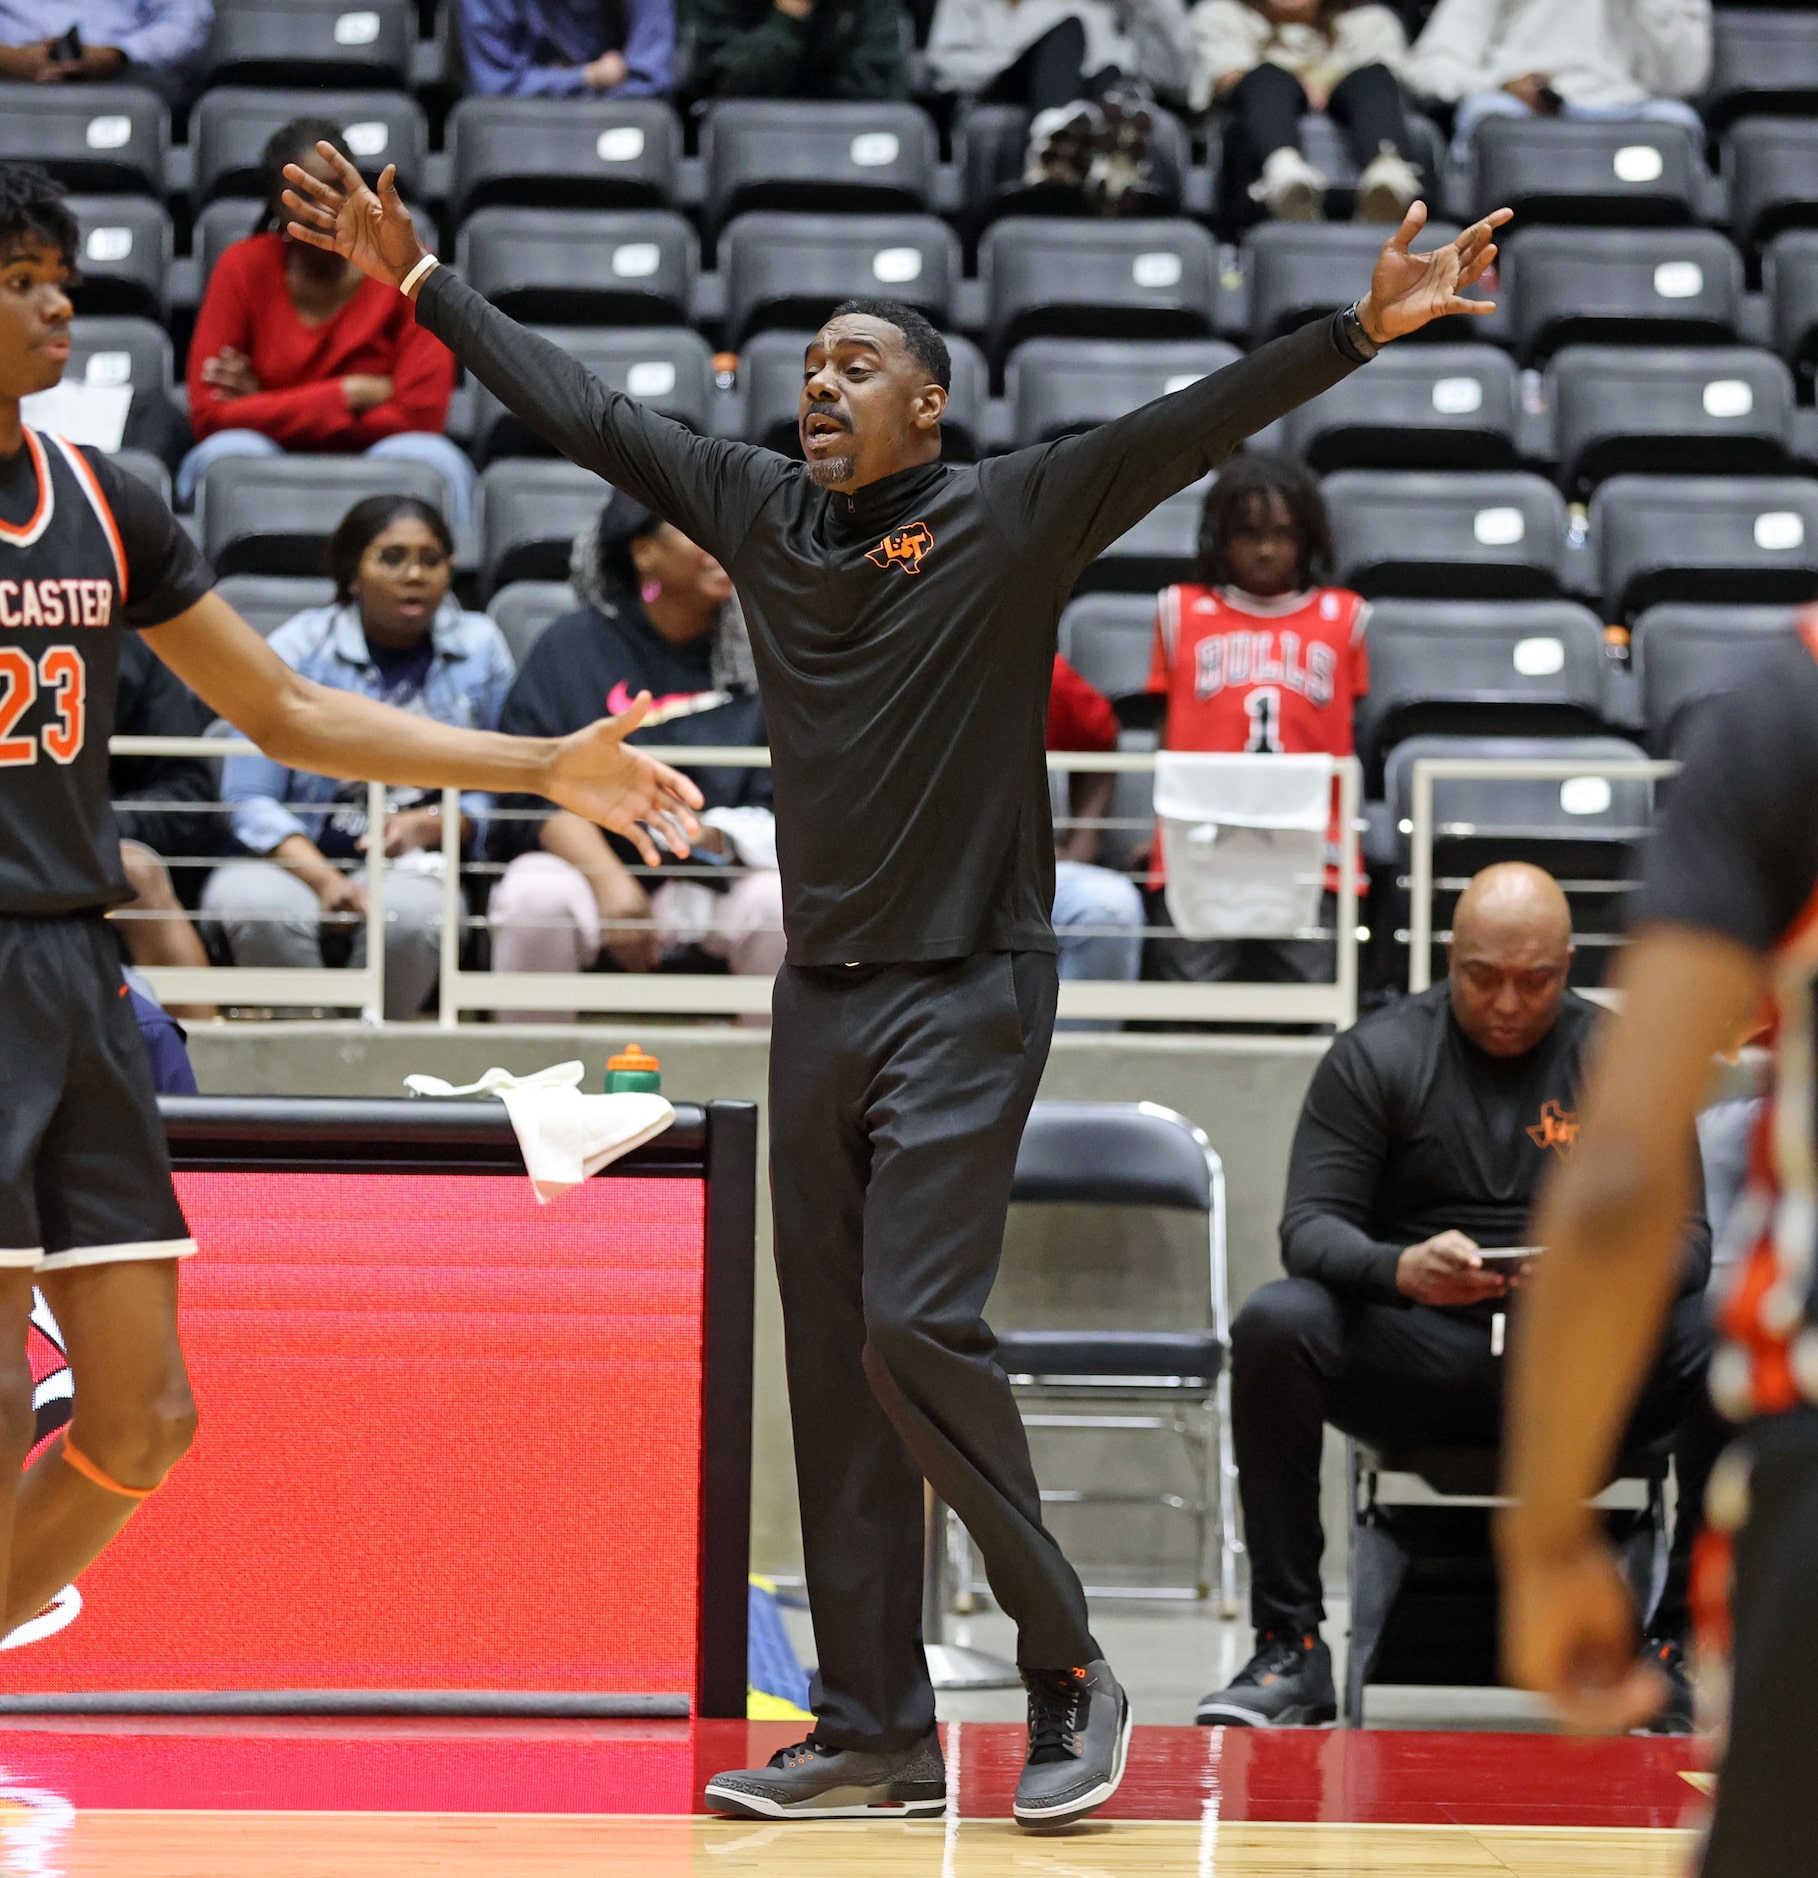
[903, 614]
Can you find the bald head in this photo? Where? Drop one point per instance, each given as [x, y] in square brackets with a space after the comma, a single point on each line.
[1510, 954]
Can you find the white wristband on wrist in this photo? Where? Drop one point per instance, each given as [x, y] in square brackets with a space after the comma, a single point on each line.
[417, 273]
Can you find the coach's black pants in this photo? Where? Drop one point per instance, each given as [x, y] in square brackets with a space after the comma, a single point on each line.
[1409, 1377]
[898, 1095]
[1766, 1824]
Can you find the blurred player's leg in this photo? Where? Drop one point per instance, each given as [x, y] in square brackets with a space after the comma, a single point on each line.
[134, 1419]
[1767, 1800]
[16, 1419]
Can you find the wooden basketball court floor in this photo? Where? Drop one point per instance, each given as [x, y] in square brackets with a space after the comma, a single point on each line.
[276, 1798]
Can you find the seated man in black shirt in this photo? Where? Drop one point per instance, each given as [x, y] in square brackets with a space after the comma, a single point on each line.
[1426, 1132]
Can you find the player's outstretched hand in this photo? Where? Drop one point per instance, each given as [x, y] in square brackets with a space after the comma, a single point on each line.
[1568, 1630]
[372, 229]
[1407, 290]
[598, 777]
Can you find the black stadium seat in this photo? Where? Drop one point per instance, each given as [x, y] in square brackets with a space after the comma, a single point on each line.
[990, 144]
[668, 368]
[1417, 407]
[582, 267]
[1772, 163]
[1744, 539]
[1483, 668]
[1698, 411]
[592, 153]
[1789, 273]
[770, 375]
[1299, 269]
[149, 469]
[1653, 287]
[1469, 535]
[792, 270]
[771, 153]
[266, 601]
[1095, 280]
[273, 515]
[125, 250]
[230, 128]
[311, 42]
[1109, 639]
[523, 612]
[1628, 173]
[100, 139]
[1162, 548]
[121, 350]
[1684, 656]
[530, 513]
[1761, 61]
[1057, 386]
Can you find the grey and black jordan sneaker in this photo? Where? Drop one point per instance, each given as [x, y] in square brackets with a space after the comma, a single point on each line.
[1287, 1683]
[1079, 1737]
[813, 1781]
[1678, 1714]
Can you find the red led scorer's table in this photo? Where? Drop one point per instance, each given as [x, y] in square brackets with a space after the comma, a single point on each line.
[458, 1452]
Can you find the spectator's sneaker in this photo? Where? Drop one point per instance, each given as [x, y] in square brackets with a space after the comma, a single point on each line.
[812, 1781]
[1079, 1736]
[1290, 188]
[1287, 1683]
[1676, 1715]
[1062, 140]
[1122, 162]
[1387, 187]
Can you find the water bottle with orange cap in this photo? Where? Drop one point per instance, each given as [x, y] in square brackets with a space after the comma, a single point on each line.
[633, 1072]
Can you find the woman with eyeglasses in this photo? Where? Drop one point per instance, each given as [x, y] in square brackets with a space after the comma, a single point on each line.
[395, 633]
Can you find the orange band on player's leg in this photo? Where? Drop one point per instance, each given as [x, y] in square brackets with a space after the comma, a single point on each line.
[89, 1471]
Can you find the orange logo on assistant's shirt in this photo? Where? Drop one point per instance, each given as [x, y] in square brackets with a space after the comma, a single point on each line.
[1557, 1128]
[904, 548]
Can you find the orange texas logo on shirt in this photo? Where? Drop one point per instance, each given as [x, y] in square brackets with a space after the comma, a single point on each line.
[903, 549]
[1557, 1128]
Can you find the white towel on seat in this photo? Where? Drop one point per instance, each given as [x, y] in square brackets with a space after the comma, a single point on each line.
[564, 1136]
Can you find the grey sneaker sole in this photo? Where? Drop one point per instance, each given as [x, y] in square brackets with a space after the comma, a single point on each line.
[835, 1803]
[1234, 1715]
[1089, 1801]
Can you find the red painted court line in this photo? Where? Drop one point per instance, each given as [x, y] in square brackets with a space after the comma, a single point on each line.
[1349, 1776]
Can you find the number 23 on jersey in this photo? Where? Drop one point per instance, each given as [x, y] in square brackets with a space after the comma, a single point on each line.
[62, 677]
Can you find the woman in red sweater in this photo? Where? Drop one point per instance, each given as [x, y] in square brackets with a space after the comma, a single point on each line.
[294, 349]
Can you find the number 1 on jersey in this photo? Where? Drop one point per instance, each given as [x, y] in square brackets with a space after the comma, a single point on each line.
[62, 673]
[1263, 708]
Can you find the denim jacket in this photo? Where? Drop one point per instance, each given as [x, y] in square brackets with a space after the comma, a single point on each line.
[469, 674]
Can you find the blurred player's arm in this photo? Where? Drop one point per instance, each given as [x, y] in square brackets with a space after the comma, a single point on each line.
[1613, 1224]
[708, 487]
[338, 733]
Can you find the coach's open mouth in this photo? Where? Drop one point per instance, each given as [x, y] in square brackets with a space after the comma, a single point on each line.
[822, 428]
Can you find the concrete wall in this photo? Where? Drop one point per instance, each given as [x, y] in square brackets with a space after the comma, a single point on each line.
[1075, 1266]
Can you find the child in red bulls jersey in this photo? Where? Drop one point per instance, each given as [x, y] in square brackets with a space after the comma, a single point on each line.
[1255, 654]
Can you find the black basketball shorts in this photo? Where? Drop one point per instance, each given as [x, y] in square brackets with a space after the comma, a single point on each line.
[84, 1174]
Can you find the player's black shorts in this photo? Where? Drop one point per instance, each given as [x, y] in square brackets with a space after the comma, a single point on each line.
[1766, 1824]
[84, 1175]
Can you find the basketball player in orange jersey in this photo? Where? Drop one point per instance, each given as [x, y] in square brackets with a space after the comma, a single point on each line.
[1257, 653]
[1728, 920]
[87, 1211]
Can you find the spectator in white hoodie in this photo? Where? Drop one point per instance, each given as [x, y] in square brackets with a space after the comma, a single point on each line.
[1563, 58]
[1269, 61]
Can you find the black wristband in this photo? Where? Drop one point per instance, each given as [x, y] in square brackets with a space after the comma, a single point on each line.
[1350, 338]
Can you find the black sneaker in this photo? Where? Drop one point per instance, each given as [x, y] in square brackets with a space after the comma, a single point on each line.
[1287, 1683]
[814, 1781]
[1079, 1738]
[1677, 1714]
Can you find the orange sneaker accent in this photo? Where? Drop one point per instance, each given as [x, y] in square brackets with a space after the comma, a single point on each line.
[90, 1472]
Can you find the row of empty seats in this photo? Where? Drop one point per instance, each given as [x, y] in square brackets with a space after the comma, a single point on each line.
[1151, 280]
[1462, 535]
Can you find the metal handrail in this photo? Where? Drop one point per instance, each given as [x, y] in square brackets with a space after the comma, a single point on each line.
[630, 993]
[1428, 769]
